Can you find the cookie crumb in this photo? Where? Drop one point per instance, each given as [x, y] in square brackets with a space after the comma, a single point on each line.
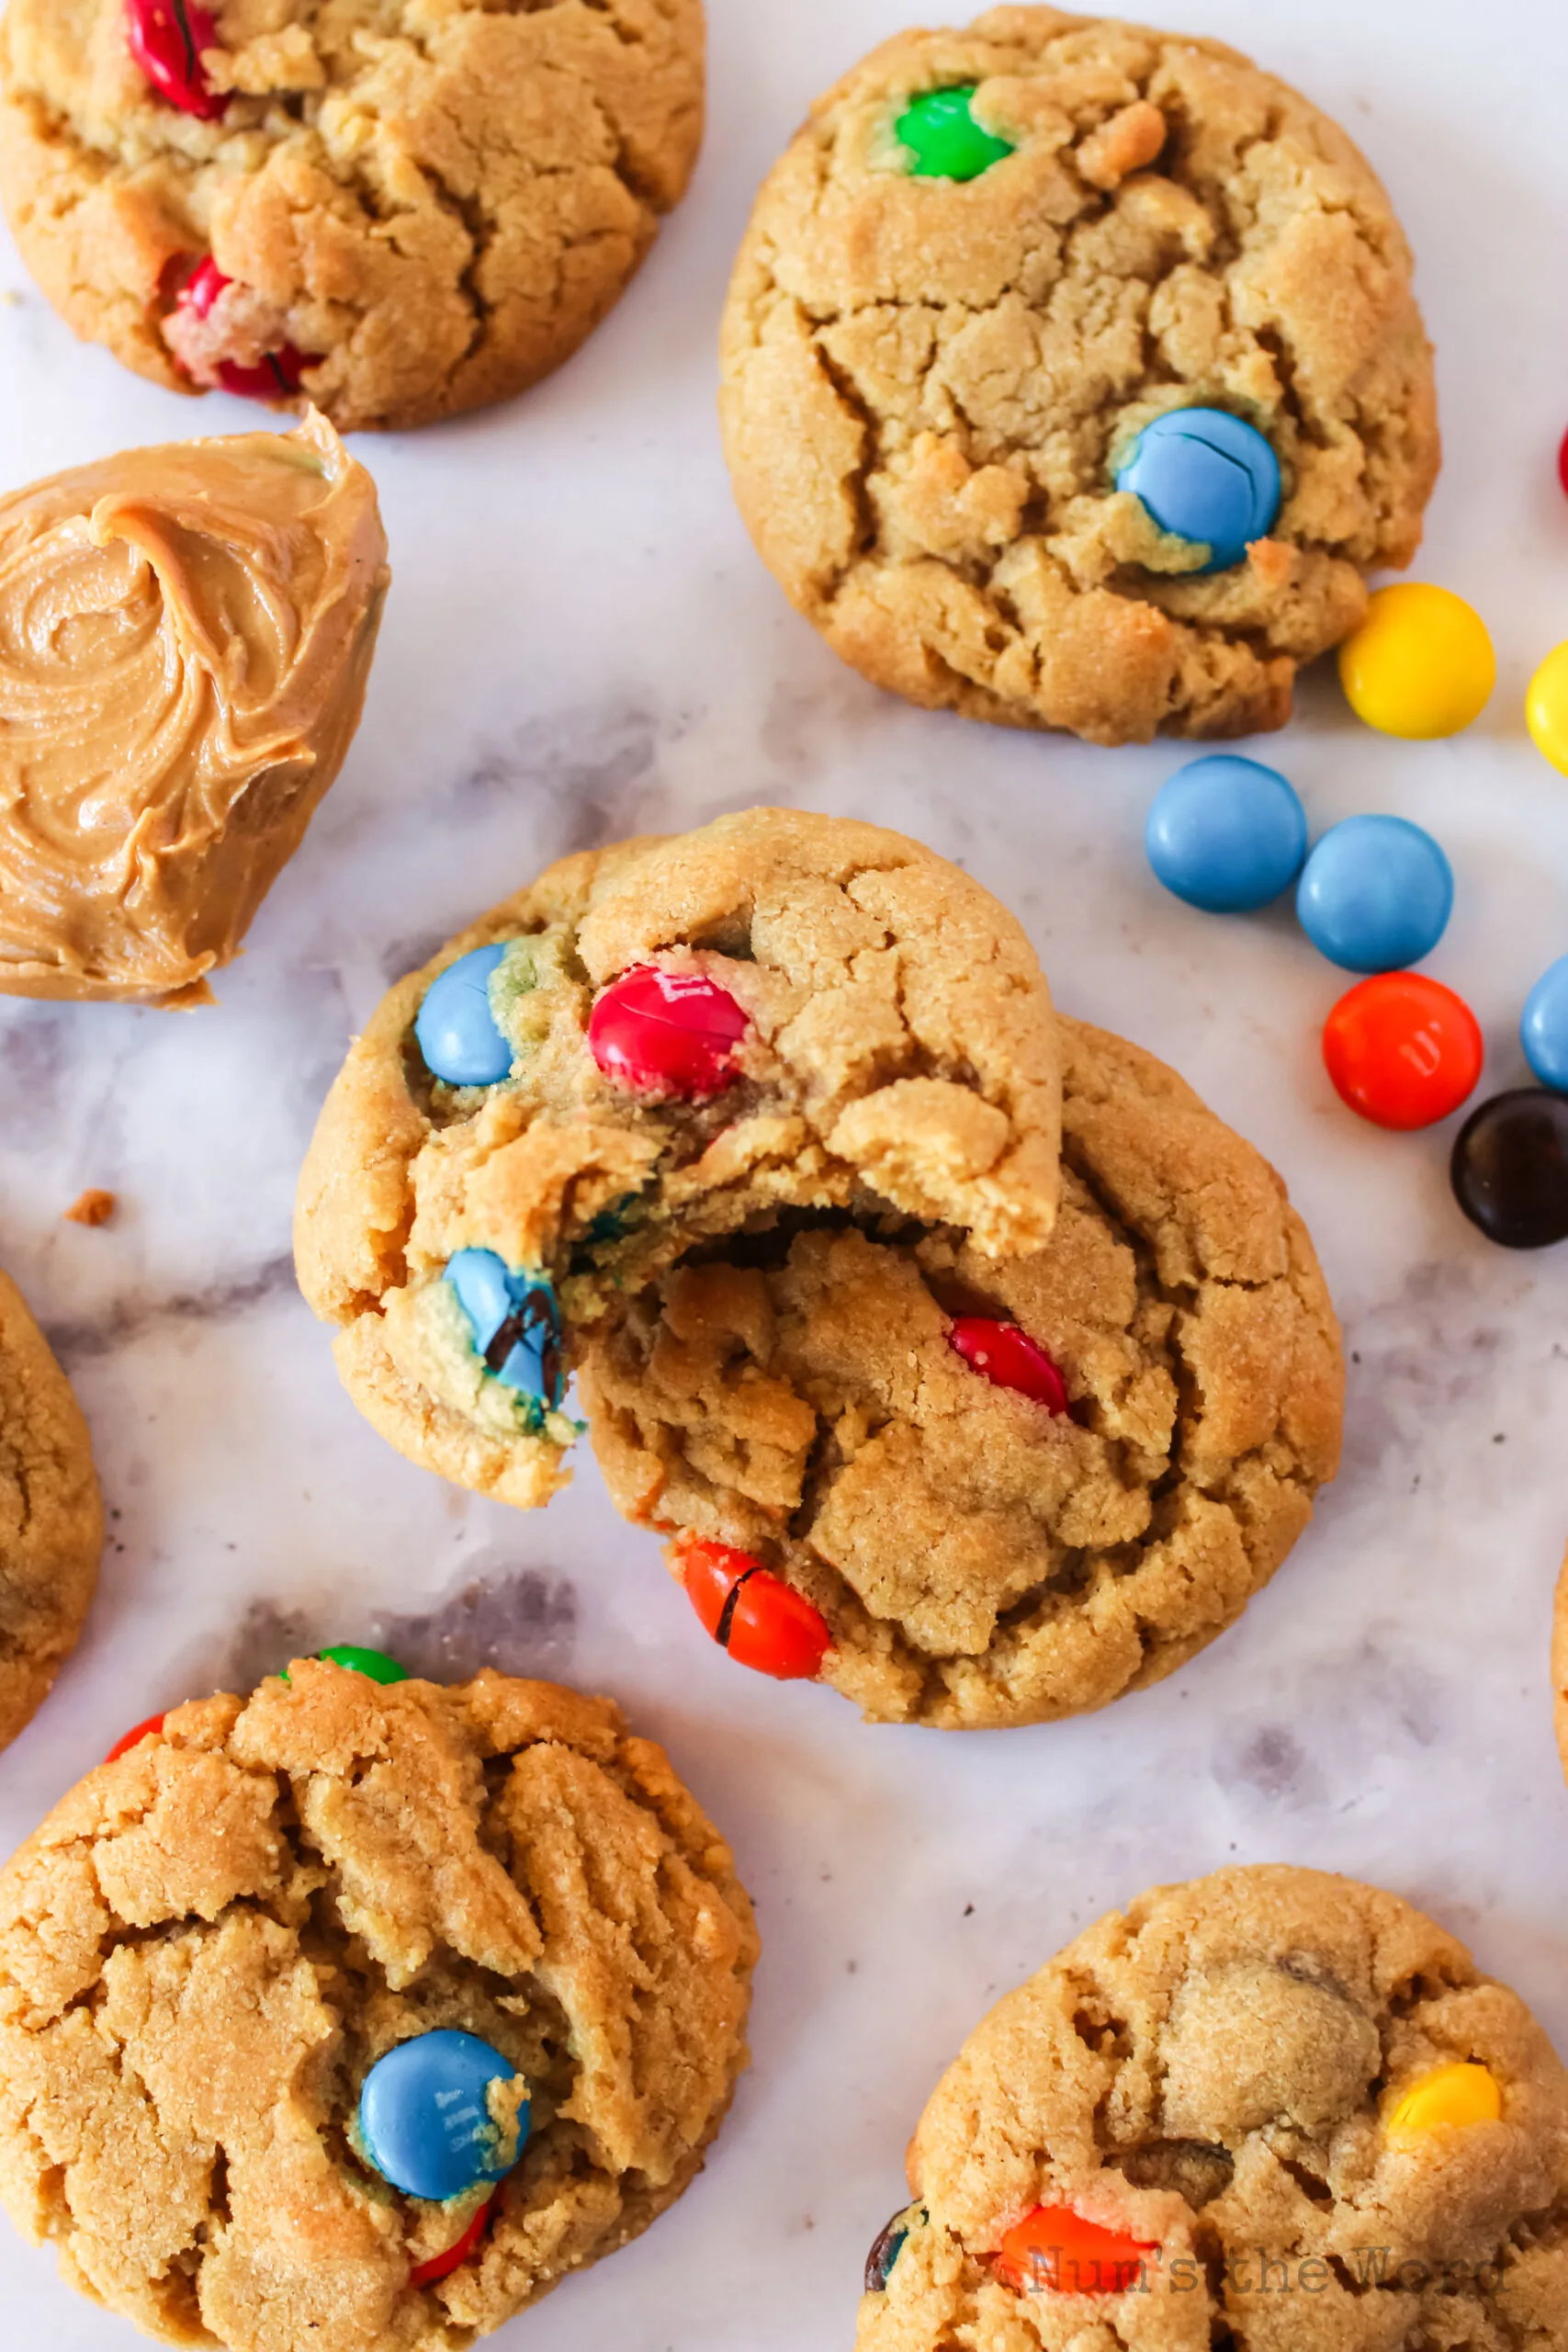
[95, 1207]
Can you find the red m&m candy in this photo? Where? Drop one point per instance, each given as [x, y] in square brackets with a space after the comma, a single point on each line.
[166, 39]
[760, 1619]
[666, 1033]
[441, 2266]
[122, 1746]
[1008, 1358]
[1056, 2248]
[276, 377]
[1403, 1050]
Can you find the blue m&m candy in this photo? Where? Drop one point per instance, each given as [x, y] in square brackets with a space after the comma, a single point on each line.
[423, 2119]
[456, 1028]
[1543, 1031]
[516, 1324]
[1227, 834]
[1376, 894]
[1208, 477]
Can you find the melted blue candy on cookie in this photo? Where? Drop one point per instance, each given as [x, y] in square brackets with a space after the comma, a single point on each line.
[1207, 476]
[423, 2121]
[456, 1029]
[516, 1321]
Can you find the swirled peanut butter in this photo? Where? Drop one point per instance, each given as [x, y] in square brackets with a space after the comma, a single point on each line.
[186, 635]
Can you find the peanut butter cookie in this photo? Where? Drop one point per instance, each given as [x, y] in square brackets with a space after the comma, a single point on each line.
[396, 209]
[1073, 378]
[52, 1518]
[653, 1046]
[1272, 2109]
[361, 2012]
[212, 609]
[1005, 1491]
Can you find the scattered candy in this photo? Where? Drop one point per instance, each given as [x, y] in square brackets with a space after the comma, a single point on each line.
[1376, 894]
[760, 1619]
[1453, 2095]
[1543, 1031]
[1206, 477]
[1227, 834]
[166, 39]
[457, 1031]
[889, 2246]
[947, 143]
[666, 1033]
[141, 1731]
[1058, 2248]
[1403, 1050]
[423, 2121]
[1421, 663]
[516, 1321]
[1511, 1168]
[376, 1664]
[1008, 1358]
[276, 377]
[1545, 709]
[441, 2266]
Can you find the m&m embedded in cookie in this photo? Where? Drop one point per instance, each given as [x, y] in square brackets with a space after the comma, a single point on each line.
[428, 2120]
[1008, 1358]
[943, 141]
[1207, 476]
[456, 1029]
[515, 1323]
[666, 1033]
[761, 1622]
[1446, 2098]
[1063, 2253]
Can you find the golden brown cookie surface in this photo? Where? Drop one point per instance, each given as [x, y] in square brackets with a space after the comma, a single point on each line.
[52, 1516]
[980, 1559]
[927, 381]
[899, 1049]
[1256, 2069]
[431, 202]
[212, 608]
[211, 1940]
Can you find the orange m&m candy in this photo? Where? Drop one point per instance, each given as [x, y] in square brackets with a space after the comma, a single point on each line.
[1054, 2247]
[1403, 1050]
[760, 1619]
[133, 1738]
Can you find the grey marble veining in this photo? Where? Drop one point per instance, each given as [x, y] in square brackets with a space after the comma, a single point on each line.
[579, 643]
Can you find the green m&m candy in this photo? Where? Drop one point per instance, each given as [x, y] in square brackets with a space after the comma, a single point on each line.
[376, 1664]
[947, 143]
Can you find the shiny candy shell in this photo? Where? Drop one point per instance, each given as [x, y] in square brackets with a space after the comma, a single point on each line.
[374, 1664]
[1376, 894]
[423, 2121]
[1543, 1031]
[1008, 1358]
[441, 2266]
[1420, 665]
[1059, 2250]
[1448, 2097]
[1511, 1168]
[1545, 709]
[166, 39]
[763, 1622]
[945, 141]
[1227, 834]
[889, 2245]
[1403, 1050]
[456, 1030]
[1207, 476]
[666, 1033]
[515, 1323]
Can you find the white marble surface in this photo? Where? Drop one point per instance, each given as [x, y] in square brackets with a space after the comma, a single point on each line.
[580, 642]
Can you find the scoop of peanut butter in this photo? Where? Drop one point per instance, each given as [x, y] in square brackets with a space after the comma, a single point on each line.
[186, 636]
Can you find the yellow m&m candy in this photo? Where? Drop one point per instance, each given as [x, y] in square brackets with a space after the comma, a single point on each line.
[1420, 665]
[1452, 2095]
[1545, 709]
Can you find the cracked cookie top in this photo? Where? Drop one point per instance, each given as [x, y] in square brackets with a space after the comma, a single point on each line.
[212, 1940]
[885, 1042]
[931, 381]
[413, 207]
[1273, 2108]
[978, 1557]
[52, 1518]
